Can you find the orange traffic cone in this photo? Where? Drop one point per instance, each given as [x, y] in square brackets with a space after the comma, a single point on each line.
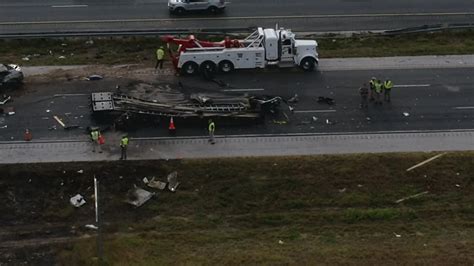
[27, 136]
[171, 127]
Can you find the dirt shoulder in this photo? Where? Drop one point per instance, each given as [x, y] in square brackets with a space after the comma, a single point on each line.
[292, 210]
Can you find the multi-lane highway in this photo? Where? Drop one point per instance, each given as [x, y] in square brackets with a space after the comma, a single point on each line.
[422, 100]
[303, 15]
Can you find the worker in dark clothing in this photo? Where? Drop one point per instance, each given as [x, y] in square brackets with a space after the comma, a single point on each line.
[364, 96]
[372, 82]
[211, 128]
[387, 89]
[123, 147]
[160, 56]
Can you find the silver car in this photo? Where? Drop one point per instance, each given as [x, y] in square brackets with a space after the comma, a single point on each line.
[182, 6]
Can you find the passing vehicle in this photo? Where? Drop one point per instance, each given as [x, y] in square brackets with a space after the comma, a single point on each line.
[261, 49]
[11, 76]
[182, 6]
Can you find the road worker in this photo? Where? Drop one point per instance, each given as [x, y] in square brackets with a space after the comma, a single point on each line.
[387, 89]
[95, 140]
[123, 147]
[160, 56]
[372, 88]
[364, 95]
[378, 91]
[211, 128]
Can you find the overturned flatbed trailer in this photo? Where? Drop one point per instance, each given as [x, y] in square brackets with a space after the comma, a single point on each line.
[198, 105]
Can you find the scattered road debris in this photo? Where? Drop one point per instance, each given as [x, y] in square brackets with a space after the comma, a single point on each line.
[406, 114]
[61, 57]
[80, 171]
[157, 184]
[294, 99]
[397, 235]
[326, 100]
[173, 181]
[145, 180]
[77, 201]
[94, 77]
[457, 185]
[138, 196]
[412, 196]
[64, 125]
[281, 242]
[48, 111]
[5, 99]
[426, 161]
[342, 190]
[315, 119]
[91, 226]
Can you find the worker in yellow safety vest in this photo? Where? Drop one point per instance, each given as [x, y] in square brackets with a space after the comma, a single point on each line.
[123, 147]
[160, 56]
[95, 139]
[211, 128]
[387, 89]
[378, 91]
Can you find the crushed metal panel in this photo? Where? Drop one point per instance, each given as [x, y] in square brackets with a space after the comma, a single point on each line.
[173, 181]
[77, 201]
[101, 96]
[137, 196]
[103, 106]
[156, 184]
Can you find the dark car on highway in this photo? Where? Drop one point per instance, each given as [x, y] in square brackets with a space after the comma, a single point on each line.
[11, 76]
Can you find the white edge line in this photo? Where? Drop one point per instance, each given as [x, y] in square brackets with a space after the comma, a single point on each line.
[464, 107]
[69, 6]
[315, 111]
[411, 85]
[244, 90]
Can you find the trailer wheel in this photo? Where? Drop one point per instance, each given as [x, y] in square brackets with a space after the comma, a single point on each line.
[226, 66]
[308, 64]
[179, 11]
[189, 68]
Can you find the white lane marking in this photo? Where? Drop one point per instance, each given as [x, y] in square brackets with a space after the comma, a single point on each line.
[411, 85]
[464, 107]
[243, 18]
[70, 94]
[69, 6]
[314, 111]
[259, 89]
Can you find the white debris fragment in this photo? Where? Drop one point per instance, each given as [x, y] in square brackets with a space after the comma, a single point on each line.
[157, 184]
[145, 180]
[61, 57]
[80, 171]
[315, 119]
[397, 235]
[137, 196]
[91, 226]
[281, 242]
[173, 181]
[457, 185]
[342, 190]
[406, 114]
[47, 111]
[77, 201]
[25, 58]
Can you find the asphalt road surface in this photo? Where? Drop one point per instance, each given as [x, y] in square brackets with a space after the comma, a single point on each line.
[303, 15]
[422, 100]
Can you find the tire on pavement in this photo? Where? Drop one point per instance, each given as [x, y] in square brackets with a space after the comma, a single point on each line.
[189, 68]
[226, 66]
[308, 64]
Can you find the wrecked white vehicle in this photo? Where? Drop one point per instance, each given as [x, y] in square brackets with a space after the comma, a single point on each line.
[11, 76]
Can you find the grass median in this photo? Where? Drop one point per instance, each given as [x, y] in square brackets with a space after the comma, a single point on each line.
[141, 50]
[282, 210]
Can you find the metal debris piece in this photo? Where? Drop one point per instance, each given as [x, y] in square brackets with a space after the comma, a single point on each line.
[294, 99]
[281, 242]
[80, 171]
[91, 226]
[94, 77]
[5, 99]
[61, 57]
[138, 196]
[145, 180]
[157, 184]
[326, 100]
[173, 181]
[5, 126]
[292, 109]
[406, 114]
[412, 196]
[397, 235]
[315, 119]
[77, 201]
[426, 161]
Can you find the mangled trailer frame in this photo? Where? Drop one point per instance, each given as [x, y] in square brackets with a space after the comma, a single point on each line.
[198, 106]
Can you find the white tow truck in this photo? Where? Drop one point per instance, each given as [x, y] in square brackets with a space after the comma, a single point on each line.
[261, 49]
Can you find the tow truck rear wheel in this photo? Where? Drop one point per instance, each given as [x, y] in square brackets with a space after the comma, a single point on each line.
[189, 68]
[226, 66]
[308, 64]
[208, 69]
